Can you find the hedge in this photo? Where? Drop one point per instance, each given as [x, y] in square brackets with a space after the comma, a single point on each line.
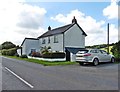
[54, 55]
[9, 52]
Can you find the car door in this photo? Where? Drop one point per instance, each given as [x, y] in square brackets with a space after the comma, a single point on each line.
[94, 53]
[102, 56]
[105, 56]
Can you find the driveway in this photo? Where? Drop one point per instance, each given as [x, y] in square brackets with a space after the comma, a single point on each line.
[67, 77]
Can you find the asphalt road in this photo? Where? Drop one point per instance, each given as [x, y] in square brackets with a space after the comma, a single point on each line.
[69, 77]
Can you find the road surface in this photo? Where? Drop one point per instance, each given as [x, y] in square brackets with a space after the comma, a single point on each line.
[22, 75]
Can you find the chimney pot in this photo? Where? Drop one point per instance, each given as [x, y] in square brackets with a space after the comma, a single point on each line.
[74, 20]
[49, 28]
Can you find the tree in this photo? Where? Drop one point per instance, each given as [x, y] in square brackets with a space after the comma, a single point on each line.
[7, 45]
[116, 50]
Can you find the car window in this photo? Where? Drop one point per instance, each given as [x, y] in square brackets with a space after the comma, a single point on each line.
[94, 51]
[103, 52]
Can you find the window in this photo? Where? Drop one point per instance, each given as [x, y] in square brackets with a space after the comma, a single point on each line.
[48, 39]
[55, 39]
[94, 51]
[82, 51]
[33, 50]
[103, 52]
[43, 41]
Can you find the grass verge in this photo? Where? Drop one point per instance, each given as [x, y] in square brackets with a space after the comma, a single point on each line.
[45, 63]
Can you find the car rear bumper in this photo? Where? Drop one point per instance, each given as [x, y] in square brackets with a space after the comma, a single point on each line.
[84, 60]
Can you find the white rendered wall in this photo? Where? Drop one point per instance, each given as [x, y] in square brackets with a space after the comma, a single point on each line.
[30, 44]
[74, 37]
[54, 46]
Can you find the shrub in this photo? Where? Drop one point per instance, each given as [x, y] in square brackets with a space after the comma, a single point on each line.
[117, 59]
[24, 56]
[17, 55]
[4, 52]
[54, 55]
[116, 50]
[35, 54]
[9, 52]
[12, 51]
[45, 49]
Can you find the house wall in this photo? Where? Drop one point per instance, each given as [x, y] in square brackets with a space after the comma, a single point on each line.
[24, 48]
[74, 38]
[30, 44]
[19, 51]
[54, 46]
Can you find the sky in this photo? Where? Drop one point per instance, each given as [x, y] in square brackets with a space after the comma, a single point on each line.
[20, 19]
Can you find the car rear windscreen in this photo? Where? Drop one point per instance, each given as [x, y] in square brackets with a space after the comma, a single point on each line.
[82, 51]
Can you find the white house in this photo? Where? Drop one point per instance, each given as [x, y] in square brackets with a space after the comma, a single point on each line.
[68, 38]
[30, 44]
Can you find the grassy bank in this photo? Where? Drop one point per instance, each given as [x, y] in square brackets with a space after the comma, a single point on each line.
[45, 63]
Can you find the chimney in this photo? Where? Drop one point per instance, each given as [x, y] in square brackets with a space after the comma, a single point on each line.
[49, 28]
[74, 20]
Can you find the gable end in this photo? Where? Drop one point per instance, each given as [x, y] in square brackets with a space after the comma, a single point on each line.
[29, 39]
[81, 29]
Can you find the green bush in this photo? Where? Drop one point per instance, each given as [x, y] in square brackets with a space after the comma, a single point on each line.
[45, 50]
[24, 56]
[117, 59]
[35, 54]
[116, 50]
[9, 52]
[54, 55]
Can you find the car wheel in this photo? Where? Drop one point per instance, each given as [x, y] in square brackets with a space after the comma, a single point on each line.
[95, 62]
[112, 60]
[81, 63]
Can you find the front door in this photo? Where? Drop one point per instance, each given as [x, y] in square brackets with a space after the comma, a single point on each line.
[67, 55]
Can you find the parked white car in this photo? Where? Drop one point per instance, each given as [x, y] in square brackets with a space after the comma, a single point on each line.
[94, 56]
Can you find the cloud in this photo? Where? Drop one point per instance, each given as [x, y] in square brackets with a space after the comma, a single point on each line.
[111, 11]
[96, 30]
[113, 33]
[20, 20]
[92, 24]
[31, 17]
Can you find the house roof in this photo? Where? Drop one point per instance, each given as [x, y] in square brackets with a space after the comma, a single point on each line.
[60, 30]
[29, 39]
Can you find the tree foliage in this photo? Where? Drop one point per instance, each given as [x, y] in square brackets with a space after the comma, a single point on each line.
[116, 50]
[7, 45]
[99, 46]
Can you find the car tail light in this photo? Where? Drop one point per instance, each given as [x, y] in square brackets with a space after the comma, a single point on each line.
[87, 54]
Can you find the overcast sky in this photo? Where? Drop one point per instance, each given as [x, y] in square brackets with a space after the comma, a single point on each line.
[30, 19]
